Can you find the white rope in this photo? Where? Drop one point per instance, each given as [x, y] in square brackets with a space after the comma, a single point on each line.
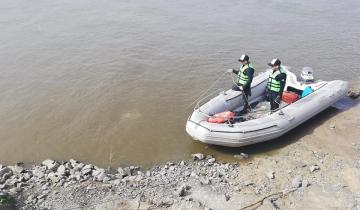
[207, 90]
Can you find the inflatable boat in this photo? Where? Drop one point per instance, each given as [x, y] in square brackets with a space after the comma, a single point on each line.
[236, 131]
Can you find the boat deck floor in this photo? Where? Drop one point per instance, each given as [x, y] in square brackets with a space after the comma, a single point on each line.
[259, 110]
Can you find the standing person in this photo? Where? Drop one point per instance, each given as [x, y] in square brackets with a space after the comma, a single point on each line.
[245, 77]
[276, 83]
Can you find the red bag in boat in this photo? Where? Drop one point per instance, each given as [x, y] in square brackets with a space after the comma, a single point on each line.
[290, 97]
[221, 117]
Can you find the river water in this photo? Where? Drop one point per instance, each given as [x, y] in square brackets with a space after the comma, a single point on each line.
[110, 82]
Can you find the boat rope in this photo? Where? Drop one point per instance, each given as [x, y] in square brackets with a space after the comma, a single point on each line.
[207, 90]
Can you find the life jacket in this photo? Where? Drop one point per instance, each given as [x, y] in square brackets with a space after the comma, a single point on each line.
[243, 78]
[273, 84]
[221, 117]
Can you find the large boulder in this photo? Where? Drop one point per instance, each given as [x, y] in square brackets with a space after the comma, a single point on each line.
[354, 93]
[87, 169]
[53, 177]
[120, 173]
[97, 172]
[62, 171]
[131, 171]
[51, 165]
[4, 170]
[6, 176]
[198, 156]
[73, 162]
[101, 177]
[38, 172]
[18, 168]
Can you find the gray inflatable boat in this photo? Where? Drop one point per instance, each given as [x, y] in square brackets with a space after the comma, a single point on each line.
[268, 125]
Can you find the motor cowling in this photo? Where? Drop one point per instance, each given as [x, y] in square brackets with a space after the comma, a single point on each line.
[307, 74]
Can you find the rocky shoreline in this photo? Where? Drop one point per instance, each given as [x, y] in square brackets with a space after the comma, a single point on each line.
[199, 183]
[318, 171]
[43, 185]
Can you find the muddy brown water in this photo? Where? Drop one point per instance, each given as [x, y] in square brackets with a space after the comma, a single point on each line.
[110, 82]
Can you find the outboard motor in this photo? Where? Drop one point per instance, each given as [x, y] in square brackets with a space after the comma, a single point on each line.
[307, 74]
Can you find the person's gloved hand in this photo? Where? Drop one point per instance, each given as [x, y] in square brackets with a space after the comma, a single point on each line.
[229, 71]
[241, 88]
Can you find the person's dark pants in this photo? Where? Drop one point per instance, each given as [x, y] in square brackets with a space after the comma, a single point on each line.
[245, 96]
[274, 100]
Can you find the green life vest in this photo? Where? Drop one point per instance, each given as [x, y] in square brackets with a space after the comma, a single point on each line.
[242, 78]
[273, 84]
